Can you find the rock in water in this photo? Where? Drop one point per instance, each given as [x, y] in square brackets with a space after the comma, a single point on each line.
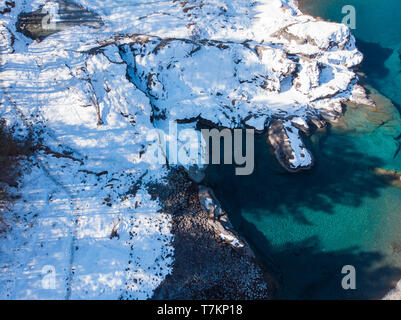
[209, 202]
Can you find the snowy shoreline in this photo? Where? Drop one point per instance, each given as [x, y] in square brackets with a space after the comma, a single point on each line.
[90, 94]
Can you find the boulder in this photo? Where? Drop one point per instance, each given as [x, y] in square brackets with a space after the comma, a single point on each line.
[209, 202]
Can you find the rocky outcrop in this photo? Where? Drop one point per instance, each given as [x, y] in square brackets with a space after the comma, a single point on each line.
[392, 177]
[359, 96]
[256, 84]
[196, 173]
[394, 294]
[6, 6]
[211, 260]
[228, 72]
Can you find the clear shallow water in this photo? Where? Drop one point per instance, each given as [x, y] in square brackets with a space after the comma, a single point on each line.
[307, 226]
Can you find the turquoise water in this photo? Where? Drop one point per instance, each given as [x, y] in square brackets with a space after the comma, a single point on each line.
[378, 34]
[307, 226]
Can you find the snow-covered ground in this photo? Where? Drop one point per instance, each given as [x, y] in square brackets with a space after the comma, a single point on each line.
[84, 214]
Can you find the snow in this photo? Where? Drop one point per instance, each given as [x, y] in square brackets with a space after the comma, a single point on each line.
[84, 208]
[394, 294]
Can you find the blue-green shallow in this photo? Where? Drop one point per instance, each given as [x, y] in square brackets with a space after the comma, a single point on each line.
[309, 225]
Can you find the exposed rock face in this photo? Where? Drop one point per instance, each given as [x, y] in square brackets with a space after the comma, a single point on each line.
[394, 294]
[54, 17]
[87, 98]
[196, 173]
[209, 202]
[359, 96]
[211, 260]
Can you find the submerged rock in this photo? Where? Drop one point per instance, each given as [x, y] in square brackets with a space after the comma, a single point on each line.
[392, 177]
[56, 16]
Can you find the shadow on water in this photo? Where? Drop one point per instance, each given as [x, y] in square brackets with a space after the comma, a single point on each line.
[374, 65]
[343, 175]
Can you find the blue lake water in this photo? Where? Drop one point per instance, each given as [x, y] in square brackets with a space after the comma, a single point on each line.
[307, 226]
